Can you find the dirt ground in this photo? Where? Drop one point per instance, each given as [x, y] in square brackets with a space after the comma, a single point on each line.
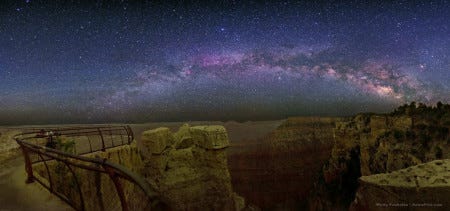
[15, 195]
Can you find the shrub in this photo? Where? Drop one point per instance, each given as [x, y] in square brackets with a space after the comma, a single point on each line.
[410, 135]
[68, 146]
[421, 126]
[398, 135]
[385, 134]
[438, 152]
[424, 139]
[443, 132]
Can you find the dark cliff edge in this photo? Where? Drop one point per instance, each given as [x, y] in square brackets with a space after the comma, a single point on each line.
[370, 144]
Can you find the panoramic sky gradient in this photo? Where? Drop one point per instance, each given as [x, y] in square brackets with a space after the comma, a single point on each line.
[139, 61]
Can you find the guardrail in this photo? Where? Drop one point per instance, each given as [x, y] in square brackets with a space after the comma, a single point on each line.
[56, 165]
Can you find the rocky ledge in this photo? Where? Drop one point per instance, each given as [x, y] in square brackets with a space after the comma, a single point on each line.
[421, 187]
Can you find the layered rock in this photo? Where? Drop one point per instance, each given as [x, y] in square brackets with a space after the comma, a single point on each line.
[189, 167]
[371, 143]
[421, 187]
[388, 143]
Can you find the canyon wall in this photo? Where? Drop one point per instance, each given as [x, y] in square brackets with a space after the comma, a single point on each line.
[369, 144]
[279, 171]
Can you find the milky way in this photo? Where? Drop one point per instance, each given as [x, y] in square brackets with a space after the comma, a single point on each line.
[135, 61]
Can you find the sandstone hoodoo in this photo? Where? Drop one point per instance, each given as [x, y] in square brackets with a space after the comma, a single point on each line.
[189, 167]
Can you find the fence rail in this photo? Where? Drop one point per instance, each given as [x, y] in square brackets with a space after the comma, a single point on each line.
[58, 159]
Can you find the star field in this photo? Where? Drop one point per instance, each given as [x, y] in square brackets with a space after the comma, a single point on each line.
[136, 61]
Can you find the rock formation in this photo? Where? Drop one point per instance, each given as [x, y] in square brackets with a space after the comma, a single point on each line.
[373, 143]
[421, 187]
[189, 167]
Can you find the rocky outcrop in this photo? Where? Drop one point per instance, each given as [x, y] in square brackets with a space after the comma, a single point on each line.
[189, 167]
[388, 143]
[380, 143]
[421, 187]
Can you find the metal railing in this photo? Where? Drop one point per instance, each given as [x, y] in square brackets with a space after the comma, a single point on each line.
[53, 157]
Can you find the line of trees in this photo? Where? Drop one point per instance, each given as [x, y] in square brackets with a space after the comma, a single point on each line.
[420, 108]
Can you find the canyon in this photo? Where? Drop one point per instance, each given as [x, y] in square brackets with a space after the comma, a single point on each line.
[278, 170]
[308, 163]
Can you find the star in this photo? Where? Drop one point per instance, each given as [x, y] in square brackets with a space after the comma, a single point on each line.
[159, 62]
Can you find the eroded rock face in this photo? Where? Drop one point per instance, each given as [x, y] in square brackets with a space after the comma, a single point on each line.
[190, 167]
[370, 144]
[421, 187]
[210, 137]
[388, 143]
[157, 140]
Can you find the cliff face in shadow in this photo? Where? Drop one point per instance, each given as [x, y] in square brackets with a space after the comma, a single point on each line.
[370, 144]
[277, 171]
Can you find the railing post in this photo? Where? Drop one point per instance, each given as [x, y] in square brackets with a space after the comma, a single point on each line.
[48, 173]
[119, 175]
[28, 167]
[103, 141]
[78, 186]
[118, 186]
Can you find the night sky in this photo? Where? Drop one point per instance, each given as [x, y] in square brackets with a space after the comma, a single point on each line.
[141, 61]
